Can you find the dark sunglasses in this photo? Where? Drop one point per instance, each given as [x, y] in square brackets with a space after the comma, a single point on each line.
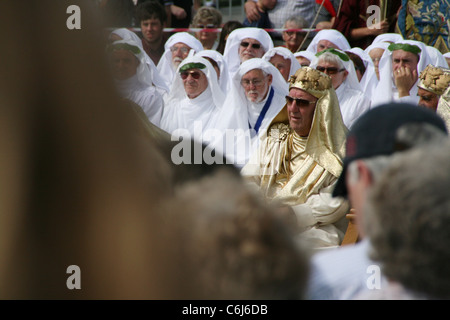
[329, 70]
[194, 74]
[298, 102]
[254, 45]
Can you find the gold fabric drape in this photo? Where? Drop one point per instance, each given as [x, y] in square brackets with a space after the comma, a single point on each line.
[291, 168]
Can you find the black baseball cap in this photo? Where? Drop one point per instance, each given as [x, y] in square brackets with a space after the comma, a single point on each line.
[375, 134]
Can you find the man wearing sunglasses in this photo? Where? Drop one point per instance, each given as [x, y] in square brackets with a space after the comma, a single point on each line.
[192, 107]
[244, 44]
[300, 159]
[338, 65]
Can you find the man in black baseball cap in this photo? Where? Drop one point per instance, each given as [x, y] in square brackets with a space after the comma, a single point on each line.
[381, 132]
[376, 135]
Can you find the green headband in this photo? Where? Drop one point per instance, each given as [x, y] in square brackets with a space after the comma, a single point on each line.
[405, 47]
[192, 65]
[340, 54]
[117, 46]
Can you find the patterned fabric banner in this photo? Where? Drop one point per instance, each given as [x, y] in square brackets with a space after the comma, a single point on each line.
[427, 21]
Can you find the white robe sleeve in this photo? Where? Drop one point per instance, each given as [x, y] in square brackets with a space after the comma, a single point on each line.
[317, 217]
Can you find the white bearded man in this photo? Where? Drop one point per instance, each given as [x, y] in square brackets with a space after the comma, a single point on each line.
[257, 95]
[177, 48]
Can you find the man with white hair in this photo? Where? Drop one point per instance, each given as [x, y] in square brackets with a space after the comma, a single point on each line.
[352, 101]
[257, 95]
[176, 49]
[376, 136]
[399, 70]
[284, 60]
[137, 78]
[194, 102]
[243, 44]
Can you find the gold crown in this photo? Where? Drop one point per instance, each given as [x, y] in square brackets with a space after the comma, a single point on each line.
[310, 79]
[435, 79]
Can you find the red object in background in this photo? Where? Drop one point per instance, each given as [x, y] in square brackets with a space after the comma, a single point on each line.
[327, 5]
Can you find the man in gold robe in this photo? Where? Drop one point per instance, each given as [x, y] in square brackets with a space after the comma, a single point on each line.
[300, 159]
[433, 81]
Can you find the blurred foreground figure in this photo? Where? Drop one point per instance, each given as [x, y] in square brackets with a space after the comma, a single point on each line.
[81, 178]
[411, 245]
[239, 248]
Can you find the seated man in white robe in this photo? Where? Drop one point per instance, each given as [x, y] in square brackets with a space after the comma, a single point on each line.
[134, 77]
[257, 95]
[244, 44]
[340, 68]
[177, 48]
[192, 107]
[299, 161]
[399, 69]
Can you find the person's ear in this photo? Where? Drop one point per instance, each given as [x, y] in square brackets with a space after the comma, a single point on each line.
[364, 173]
[345, 74]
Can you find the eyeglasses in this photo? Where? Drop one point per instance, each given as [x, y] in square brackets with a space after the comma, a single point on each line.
[329, 70]
[255, 82]
[294, 33]
[182, 49]
[194, 74]
[299, 102]
[254, 45]
[208, 26]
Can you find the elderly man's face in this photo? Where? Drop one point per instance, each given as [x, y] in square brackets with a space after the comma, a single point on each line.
[283, 65]
[325, 44]
[180, 51]
[256, 85]
[123, 63]
[194, 82]
[404, 59]
[337, 75]
[292, 39]
[250, 48]
[428, 99]
[300, 107]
